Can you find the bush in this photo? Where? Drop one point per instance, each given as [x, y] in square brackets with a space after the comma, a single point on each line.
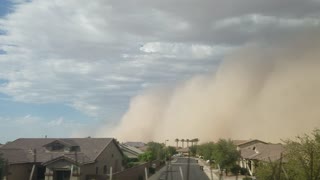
[132, 164]
[236, 169]
[243, 171]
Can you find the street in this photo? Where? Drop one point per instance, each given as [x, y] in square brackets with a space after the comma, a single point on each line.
[173, 170]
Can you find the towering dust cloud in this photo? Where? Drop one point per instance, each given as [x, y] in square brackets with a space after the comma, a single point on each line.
[258, 91]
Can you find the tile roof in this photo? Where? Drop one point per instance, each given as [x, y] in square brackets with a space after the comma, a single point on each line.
[135, 144]
[16, 156]
[238, 142]
[130, 151]
[90, 148]
[246, 142]
[263, 152]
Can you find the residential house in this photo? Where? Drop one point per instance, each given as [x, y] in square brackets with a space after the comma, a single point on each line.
[254, 151]
[183, 151]
[130, 151]
[144, 148]
[247, 143]
[135, 144]
[60, 159]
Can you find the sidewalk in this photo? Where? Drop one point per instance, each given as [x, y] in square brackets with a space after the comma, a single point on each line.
[208, 170]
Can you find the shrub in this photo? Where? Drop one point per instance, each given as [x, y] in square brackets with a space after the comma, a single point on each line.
[243, 171]
[235, 169]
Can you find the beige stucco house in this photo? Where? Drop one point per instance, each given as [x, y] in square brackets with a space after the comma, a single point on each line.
[253, 151]
[60, 159]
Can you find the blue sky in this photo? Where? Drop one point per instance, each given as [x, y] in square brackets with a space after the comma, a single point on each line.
[70, 67]
[5, 7]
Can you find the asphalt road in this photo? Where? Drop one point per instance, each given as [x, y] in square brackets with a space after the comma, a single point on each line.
[173, 170]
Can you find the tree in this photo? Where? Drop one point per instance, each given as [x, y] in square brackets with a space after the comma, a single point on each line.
[177, 141]
[302, 160]
[206, 150]
[225, 154]
[196, 140]
[187, 140]
[303, 155]
[273, 171]
[147, 156]
[182, 140]
[193, 150]
[171, 151]
[154, 151]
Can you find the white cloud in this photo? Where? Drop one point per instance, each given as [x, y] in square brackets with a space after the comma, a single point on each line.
[27, 120]
[184, 51]
[30, 126]
[256, 20]
[95, 55]
[57, 122]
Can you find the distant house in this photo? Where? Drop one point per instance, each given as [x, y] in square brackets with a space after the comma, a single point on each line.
[130, 151]
[135, 144]
[143, 148]
[183, 151]
[253, 151]
[61, 159]
[247, 143]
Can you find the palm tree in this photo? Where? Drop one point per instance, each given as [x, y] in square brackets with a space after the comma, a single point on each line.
[177, 141]
[182, 140]
[192, 141]
[196, 140]
[188, 142]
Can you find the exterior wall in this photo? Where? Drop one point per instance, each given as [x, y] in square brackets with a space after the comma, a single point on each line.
[110, 157]
[86, 170]
[19, 171]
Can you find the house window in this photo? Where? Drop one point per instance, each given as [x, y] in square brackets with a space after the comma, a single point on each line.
[75, 148]
[97, 170]
[56, 146]
[105, 170]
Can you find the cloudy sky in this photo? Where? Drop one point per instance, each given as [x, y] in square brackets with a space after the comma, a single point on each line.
[69, 66]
